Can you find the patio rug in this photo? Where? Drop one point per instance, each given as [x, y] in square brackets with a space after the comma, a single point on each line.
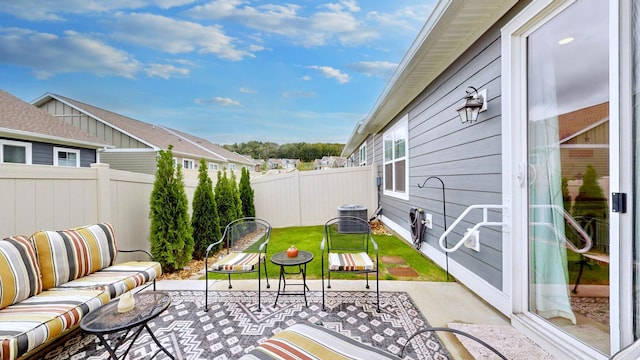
[232, 327]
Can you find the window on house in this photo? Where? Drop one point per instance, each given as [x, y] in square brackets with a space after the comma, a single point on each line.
[187, 163]
[363, 154]
[232, 167]
[15, 152]
[395, 160]
[213, 166]
[66, 157]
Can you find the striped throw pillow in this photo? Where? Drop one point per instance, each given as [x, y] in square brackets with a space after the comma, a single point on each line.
[19, 271]
[71, 254]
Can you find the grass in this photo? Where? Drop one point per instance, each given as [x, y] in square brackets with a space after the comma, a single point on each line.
[309, 237]
[593, 273]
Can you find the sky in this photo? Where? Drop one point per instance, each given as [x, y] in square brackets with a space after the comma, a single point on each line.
[230, 71]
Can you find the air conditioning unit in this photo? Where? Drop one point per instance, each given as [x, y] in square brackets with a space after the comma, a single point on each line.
[358, 211]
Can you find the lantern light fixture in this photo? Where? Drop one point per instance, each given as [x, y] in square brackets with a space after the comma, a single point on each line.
[474, 103]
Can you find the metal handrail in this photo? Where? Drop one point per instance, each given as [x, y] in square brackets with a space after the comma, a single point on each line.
[485, 222]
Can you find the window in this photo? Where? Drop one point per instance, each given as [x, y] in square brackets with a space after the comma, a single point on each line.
[213, 166]
[363, 154]
[395, 160]
[232, 167]
[15, 152]
[187, 163]
[66, 157]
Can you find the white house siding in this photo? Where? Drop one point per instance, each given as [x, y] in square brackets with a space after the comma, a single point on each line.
[91, 125]
[467, 157]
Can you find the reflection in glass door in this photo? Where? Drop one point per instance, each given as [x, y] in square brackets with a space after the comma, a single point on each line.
[568, 171]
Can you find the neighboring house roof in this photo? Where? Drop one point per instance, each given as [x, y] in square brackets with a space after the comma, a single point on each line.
[216, 150]
[21, 120]
[452, 27]
[156, 137]
[582, 120]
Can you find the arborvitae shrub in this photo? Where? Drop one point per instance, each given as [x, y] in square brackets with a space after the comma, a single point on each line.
[204, 219]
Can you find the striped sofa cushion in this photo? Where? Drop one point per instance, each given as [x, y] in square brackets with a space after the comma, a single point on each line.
[70, 254]
[350, 262]
[305, 341]
[42, 318]
[238, 261]
[20, 275]
[117, 279]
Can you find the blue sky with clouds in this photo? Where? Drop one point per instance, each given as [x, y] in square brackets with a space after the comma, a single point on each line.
[226, 70]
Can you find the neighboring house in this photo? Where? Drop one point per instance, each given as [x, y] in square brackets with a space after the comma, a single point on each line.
[136, 144]
[329, 162]
[285, 164]
[29, 135]
[561, 80]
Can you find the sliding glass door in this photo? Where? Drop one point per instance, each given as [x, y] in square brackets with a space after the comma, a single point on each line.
[568, 171]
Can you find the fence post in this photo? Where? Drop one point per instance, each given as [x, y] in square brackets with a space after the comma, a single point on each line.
[103, 191]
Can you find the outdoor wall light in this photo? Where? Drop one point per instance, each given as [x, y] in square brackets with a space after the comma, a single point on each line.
[474, 103]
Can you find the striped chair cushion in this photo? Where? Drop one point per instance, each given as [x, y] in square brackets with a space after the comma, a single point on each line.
[20, 275]
[70, 254]
[238, 261]
[350, 262]
[303, 341]
[117, 279]
[42, 318]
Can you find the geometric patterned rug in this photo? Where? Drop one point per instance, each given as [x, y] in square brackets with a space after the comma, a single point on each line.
[232, 327]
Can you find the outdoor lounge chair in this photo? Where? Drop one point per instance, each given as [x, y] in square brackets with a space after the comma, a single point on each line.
[245, 249]
[346, 244]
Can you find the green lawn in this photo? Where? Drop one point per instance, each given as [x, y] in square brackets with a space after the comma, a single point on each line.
[309, 237]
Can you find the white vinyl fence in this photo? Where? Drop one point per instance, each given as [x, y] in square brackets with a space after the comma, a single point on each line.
[38, 197]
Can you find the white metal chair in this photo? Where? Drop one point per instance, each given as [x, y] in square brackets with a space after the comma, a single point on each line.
[349, 247]
[245, 243]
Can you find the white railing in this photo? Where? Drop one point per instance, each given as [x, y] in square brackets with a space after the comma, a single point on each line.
[485, 222]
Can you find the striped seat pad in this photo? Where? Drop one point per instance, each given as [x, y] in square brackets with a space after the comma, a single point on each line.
[42, 318]
[303, 341]
[238, 261]
[117, 279]
[350, 262]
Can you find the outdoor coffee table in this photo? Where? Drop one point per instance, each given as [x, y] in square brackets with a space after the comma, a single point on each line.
[301, 261]
[107, 320]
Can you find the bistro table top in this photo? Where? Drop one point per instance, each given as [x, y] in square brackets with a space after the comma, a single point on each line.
[106, 319]
[282, 259]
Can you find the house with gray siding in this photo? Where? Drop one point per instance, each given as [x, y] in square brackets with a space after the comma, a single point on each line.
[136, 144]
[29, 135]
[542, 183]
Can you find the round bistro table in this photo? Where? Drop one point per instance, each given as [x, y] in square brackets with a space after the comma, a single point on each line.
[107, 320]
[301, 261]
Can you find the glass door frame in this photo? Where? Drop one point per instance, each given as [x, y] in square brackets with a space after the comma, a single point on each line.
[514, 111]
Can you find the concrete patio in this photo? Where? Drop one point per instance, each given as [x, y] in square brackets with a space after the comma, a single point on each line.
[440, 302]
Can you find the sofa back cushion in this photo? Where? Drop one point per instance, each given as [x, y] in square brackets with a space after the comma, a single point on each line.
[70, 254]
[19, 271]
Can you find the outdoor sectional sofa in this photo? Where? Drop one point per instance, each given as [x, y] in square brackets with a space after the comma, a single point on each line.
[50, 280]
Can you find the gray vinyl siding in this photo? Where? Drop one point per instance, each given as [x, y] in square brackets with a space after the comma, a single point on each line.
[467, 157]
[135, 161]
[91, 125]
[42, 153]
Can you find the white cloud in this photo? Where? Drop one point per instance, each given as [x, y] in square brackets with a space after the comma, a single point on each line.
[19, 46]
[329, 72]
[306, 78]
[246, 90]
[407, 18]
[176, 36]
[381, 69]
[334, 21]
[53, 10]
[300, 94]
[165, 71]
[218, 100]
